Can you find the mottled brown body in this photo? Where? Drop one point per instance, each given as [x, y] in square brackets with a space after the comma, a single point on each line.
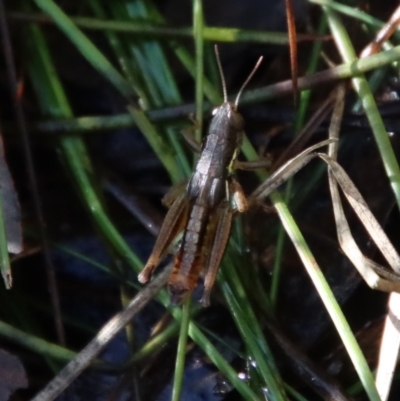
[204, 212]
[207, 190]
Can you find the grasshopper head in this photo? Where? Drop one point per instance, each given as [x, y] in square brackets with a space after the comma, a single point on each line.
[228, 113]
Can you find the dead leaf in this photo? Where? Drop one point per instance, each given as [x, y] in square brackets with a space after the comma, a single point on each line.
[11, 209]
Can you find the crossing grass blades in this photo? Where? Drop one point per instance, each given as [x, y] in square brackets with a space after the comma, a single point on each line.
[203, 210]
[376, 276]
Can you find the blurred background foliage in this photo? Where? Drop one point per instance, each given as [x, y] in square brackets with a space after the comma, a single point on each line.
[100, 93]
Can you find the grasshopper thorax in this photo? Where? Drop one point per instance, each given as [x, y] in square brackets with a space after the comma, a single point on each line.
[228, 113]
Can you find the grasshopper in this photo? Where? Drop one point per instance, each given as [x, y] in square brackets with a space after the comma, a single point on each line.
[204, 210]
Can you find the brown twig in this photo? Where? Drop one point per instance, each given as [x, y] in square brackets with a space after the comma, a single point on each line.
[103, 337]
[292, 33]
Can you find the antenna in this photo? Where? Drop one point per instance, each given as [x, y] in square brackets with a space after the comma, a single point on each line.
[247, 80]
[221, 73]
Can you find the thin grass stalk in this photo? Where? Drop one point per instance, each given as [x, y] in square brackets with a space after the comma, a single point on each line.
[311, 68]
[277, 265]
[300, 120]
[5, 266]
[155, 343]
[374, 81]
[181, 352]
[35, 344]
[327, 298]
[343, 71]
[159, 31]
[198, 23]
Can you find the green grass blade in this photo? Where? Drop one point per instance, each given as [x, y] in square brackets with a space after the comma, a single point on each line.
[53, 102]
[35, 344]
[181, 353]
[198, 23]
[159, 31]
[5, 267]
[86, 47]
[300, 120]
[101, 64]
[327, 298]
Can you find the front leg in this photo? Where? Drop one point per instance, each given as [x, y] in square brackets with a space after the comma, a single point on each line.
[238, 198]
[253, 165]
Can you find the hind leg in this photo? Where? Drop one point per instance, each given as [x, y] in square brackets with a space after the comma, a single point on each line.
[174, 222]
